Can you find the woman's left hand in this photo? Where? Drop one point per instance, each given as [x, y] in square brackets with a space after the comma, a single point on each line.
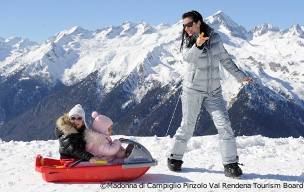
[201, 40]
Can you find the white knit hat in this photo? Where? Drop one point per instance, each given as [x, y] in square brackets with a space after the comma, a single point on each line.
[77, 110]
[101, 123]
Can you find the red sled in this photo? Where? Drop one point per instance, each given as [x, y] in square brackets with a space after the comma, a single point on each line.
[134, 166]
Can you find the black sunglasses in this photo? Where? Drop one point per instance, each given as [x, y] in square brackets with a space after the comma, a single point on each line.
[190, 24]
[74, 118]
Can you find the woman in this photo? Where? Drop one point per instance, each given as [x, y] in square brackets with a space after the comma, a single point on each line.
[70, 132]
[202, 86]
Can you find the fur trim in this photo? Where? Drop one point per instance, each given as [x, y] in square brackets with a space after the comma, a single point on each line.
[65, 125]
[91, 136]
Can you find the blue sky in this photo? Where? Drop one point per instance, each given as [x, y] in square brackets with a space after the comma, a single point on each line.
[40, 19]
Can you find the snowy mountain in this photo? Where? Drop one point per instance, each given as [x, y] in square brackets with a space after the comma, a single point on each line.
[10, 50]
[133, 74]
[269, 164]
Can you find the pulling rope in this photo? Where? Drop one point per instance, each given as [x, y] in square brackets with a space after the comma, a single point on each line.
[177, 102]
[173, 112]
[195, 36]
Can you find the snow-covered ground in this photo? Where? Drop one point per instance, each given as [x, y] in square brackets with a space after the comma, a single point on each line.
[269, 165]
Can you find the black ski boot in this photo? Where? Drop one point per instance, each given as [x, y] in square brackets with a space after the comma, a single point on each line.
[233, 170]
[174, 165]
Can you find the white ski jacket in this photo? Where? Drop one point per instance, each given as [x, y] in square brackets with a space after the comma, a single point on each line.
[203, 69]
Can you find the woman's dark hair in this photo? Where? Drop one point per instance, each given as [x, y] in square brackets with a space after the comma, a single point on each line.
[196, 16]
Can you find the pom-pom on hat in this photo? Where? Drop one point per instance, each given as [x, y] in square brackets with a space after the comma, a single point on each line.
[101, 123]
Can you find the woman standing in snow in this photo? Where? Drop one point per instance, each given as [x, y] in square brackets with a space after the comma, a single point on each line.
[204, 51]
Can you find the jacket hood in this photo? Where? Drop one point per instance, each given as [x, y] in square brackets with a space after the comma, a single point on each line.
[65, 125]
[210, 33]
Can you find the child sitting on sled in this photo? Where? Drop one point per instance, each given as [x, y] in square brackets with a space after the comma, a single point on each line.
[99, 142]
[70, 132]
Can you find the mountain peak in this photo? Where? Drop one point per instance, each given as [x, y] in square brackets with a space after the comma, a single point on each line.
[222, 14]
[294, 30]
[145, 28]
[264, 28]
[220, 20]
[75, 29]
[296, 27]
[17, 43]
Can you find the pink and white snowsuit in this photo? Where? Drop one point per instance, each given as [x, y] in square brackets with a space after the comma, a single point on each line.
[100, 144]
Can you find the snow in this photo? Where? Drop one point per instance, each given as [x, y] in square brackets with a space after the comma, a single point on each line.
[270, 164]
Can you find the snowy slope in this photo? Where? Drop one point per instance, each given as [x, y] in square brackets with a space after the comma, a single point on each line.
[269, 165]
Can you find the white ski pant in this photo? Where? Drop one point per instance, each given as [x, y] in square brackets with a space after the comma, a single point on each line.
[191, 105]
